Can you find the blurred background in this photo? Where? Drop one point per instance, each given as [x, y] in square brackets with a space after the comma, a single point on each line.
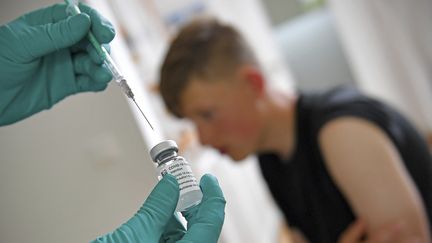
[81, 169]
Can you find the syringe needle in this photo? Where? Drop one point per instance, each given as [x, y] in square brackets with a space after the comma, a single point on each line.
[143, 114]
[73, 9]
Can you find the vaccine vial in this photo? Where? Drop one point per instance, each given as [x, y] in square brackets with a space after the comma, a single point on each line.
[169, 162]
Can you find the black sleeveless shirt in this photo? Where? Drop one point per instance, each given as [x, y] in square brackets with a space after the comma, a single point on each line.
[302, 186]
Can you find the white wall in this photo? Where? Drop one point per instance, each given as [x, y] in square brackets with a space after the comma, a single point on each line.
[312, 50]
[73, 172]
[388, 44]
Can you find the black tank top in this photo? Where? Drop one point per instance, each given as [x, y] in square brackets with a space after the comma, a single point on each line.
[302, 186]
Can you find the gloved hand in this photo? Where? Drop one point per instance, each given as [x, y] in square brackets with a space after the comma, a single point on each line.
[204, 220]
[45, 56]
[156, 222]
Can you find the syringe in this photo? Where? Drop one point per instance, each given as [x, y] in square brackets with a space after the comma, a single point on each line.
[73, 9]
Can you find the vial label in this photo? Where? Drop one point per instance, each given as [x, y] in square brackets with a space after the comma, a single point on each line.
[182, 171]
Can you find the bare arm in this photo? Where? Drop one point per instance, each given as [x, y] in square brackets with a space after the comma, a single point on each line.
[370, 173]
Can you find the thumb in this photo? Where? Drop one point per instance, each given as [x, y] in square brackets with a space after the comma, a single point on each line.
[206, 222]
[150, 221]
[161, 203]
[55, 36]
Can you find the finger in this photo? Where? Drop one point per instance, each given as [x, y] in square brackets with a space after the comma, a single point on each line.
[151, 219]
[85, 45]
[210, 187]
[161, 203]
[85, 66]
[354, 232]
[44, 39]
[58, 12]
[94, 55]
[213, 201]
[100, 26]
[85, 83]
[50, 14]
[174, 230]
[212, 194]
[102, 29]
[210, 215]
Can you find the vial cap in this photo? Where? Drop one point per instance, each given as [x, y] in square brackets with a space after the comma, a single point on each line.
[162, 147]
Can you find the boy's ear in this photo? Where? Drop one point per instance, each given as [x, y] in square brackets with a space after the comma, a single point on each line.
[254, 78]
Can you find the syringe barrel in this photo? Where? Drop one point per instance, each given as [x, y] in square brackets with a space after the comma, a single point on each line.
[73, 9]
[110, 64]
[117, 76]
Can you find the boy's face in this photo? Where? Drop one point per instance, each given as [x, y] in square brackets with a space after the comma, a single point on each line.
[225, 114]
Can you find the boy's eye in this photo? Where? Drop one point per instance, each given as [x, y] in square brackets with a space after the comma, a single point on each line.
[206, 115]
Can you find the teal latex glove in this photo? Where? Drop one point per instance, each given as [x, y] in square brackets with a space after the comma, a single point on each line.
[45, 56]
[204, 221]
[156, 222]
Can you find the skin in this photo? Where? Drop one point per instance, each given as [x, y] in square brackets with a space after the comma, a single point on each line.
[393, 232]
[350, 161]
[238, 116]
[237, 108]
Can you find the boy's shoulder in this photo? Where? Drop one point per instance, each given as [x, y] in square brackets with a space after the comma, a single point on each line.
[338, 99]
[335, 97]
[318, 108]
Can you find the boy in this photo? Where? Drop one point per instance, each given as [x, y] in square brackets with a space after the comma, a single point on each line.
[328, 158]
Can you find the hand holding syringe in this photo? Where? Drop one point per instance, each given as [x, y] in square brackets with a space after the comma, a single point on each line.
[72, 9]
